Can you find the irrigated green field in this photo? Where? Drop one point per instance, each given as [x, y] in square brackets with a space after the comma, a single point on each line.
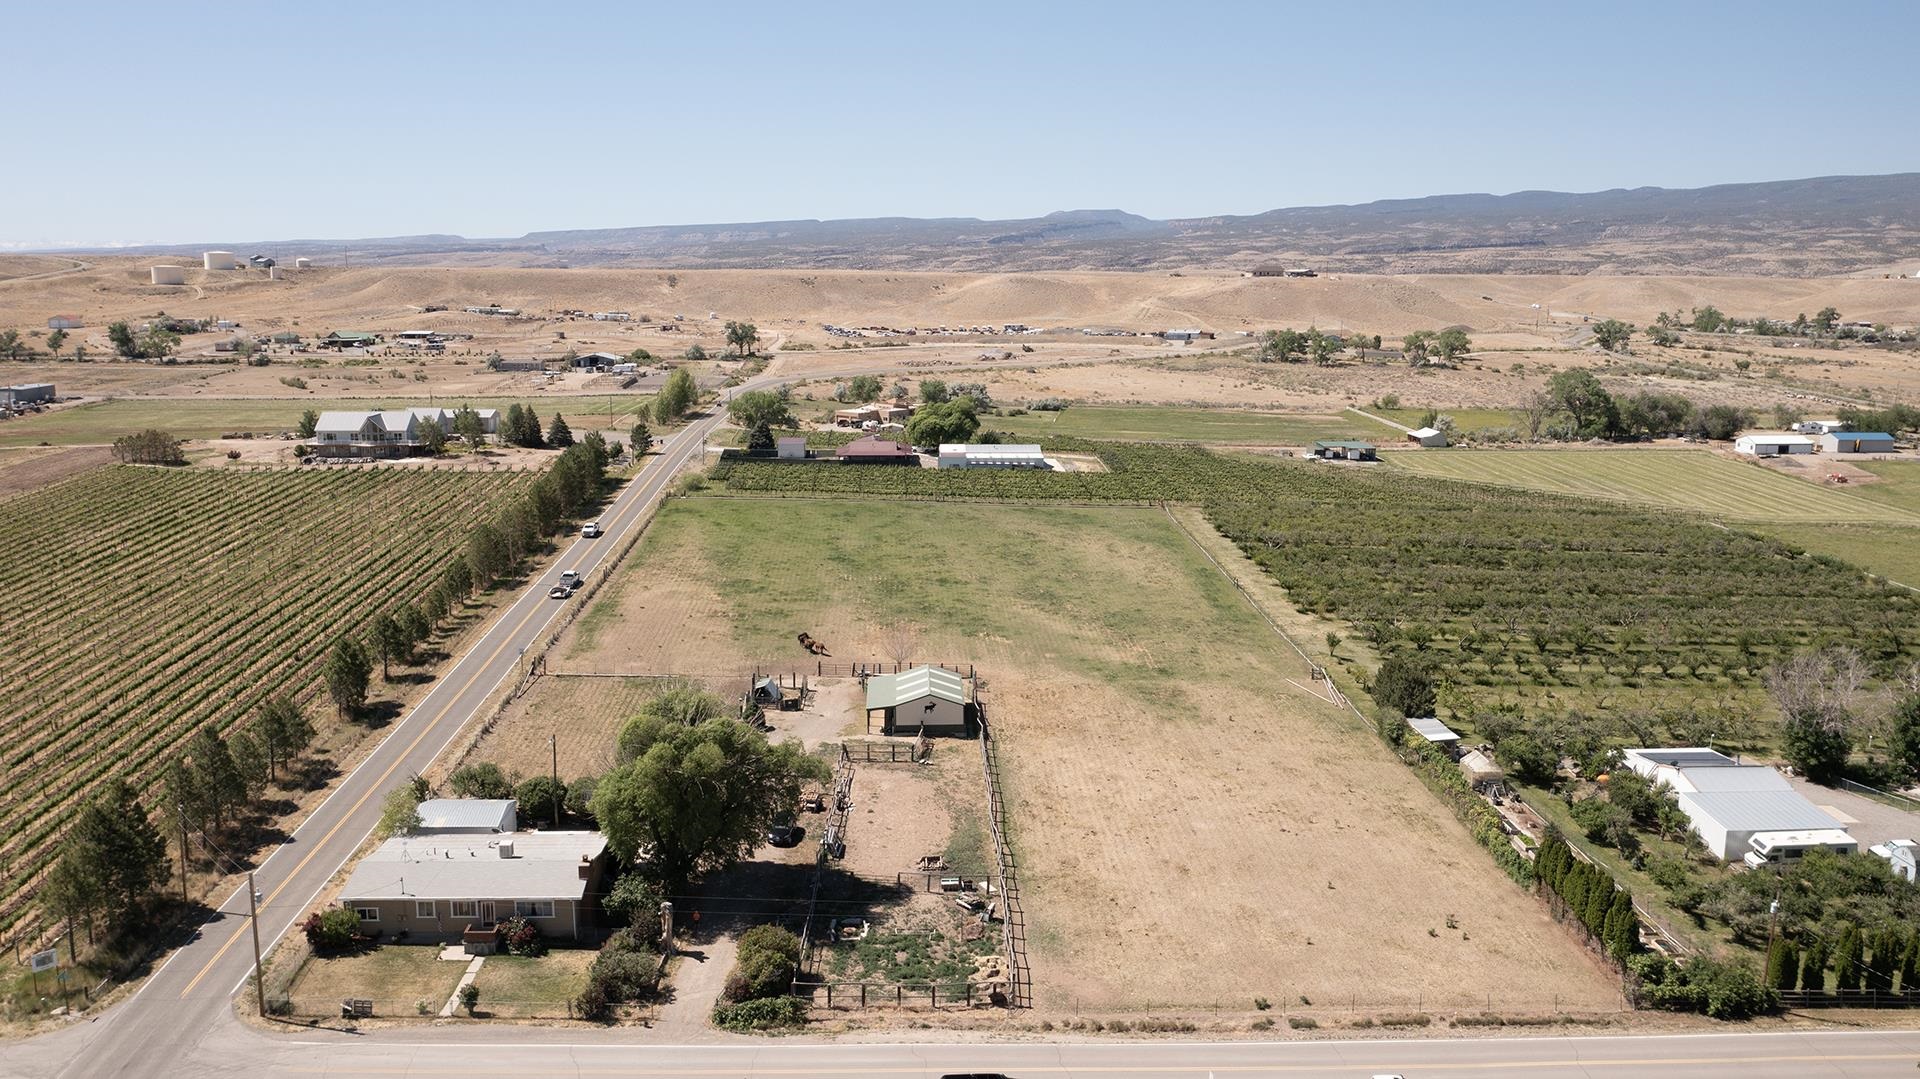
[1465, 420]
[1692, 480]
[151, 602]
[210, 418]
[1207, 425]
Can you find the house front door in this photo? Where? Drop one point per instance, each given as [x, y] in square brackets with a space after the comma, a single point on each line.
[486, 913]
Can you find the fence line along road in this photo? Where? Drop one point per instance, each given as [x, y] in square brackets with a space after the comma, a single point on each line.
[186, 998]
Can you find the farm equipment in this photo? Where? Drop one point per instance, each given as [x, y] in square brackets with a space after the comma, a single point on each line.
[930, 863]
[1835, 477]
[817, 648]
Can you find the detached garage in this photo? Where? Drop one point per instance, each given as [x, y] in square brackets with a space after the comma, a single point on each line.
[1772, 445]
[1856, 442]
[933, 699]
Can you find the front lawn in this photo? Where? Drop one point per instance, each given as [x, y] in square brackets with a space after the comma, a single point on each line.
[398, 978]
[553, 978]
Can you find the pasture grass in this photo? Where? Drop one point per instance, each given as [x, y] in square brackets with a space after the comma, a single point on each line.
[1465, 420]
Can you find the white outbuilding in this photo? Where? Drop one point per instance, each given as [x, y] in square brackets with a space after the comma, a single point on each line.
[1428, 436]
[1741, 812]
[219, 260]
[169, 275]
[1772, 444]
[968, 455]
[303, 264]
[1857, 442]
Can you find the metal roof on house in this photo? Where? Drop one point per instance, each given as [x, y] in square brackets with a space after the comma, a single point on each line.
[989, 452]
[1344, 444]
[1757, 811]
[1432, 729]
[1424, 432]
[894, 690]
[545, 865]
[348, 423]
[1685, 758]
[1865, 436]
[1771, 438]
[349, 335]
[1746, 777]
[495, 813]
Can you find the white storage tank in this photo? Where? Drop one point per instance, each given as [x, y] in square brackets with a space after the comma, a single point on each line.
[219, 260]
[303, 264]
[169, 275]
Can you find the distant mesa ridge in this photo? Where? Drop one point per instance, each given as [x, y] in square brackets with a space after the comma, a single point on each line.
[1823, 225]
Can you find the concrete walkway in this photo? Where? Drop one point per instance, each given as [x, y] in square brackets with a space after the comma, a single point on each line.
[466, 979]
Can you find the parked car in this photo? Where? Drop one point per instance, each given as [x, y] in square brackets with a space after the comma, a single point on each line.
[559, 591]
[784, 834]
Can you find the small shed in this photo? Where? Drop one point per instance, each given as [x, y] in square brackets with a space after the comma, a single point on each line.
[1902, 854]
[791, 449]
[65, 322]
[1432, 730]
[932, 699]
[1480, 769]
[1856, 442]
[1428, 436]
[1344, 450]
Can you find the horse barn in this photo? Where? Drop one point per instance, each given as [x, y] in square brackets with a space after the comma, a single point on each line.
[1772, 445]
[932, 699]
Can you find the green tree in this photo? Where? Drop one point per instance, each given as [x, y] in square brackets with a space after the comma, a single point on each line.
[433, 437]
[118, 848]
[1783, 964]
[221, 786]
[1320, 347]
[347, 672]
[696, 797]
[1452, 343]
[682, 703]
[250, 758]
[742, 337]
[538, 798]
[524, 427]
[1416, 345]
[1621, 932]
[636, 900]
[1826, 319]
[1662, 336]
[766, 958]
[399, 813]
[483, 779]
[470, 427]
[55, 341]
[559, 435]
[1404, 685]
[1282, 346]
[858, 390]
[70, 891]
[414, 624]
[1847, 973]
[1612, 334]
[676, 397]
[580, 797]
[120, 334]
[933, 391]
[309, 421]
[933, 425]
[1708, 319]
[1527, 760]
[487, 555]
[640, 438]
[1580, 395]
[1817, 749]
[284, 731]
[1906, 733]
[758, 412]
[695, 353]
[1813, 968]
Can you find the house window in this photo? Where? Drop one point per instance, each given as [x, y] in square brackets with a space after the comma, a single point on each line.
[367, 914]
[424, 908]
[533, 908]
[466, 908]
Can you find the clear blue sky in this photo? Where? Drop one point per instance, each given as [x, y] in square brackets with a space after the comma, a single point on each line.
[145, 122]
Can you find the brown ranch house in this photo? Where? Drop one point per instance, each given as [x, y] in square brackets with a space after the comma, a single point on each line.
[449, 887]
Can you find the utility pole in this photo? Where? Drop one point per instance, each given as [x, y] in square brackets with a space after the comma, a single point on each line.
[181, 812]
[253, 916]
[553, 743]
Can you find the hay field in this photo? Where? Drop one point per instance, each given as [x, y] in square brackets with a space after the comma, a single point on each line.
[1193, 829]
[1694, 480]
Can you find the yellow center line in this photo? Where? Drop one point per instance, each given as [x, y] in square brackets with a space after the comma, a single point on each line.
[351, 810]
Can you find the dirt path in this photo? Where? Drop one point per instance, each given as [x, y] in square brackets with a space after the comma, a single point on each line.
[1379, 419]
[699, 973]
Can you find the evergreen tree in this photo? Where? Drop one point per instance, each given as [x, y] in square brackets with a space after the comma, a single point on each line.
[348, 670]
[458, 577]
[251, 761]
[559, 435]
[1910, 964]
[389, 641]
[284, 731]
[222, 788]
[1846, 960]
[1782, 964]
[415, 624]
[1813, 968]
[1622, 934]
[120, 849]
[1881, 961]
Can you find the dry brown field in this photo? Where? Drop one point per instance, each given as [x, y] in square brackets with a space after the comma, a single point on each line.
[1195, 829]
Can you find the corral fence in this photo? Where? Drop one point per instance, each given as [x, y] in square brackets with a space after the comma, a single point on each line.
[847, 996]
[866, 668]
[833, 839]
[1013, 921]
[887, 752]
[1849, 998]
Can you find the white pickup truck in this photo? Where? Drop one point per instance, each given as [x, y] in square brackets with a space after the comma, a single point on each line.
[591, 530]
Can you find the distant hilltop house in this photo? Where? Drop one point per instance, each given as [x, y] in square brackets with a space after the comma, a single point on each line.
[876, 415]
[350, 339]
[65, 322]
[597, 361]
[462, 886]
[389, 433]
[1276, 269]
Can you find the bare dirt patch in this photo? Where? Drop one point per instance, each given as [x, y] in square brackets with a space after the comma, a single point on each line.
[29, 469]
